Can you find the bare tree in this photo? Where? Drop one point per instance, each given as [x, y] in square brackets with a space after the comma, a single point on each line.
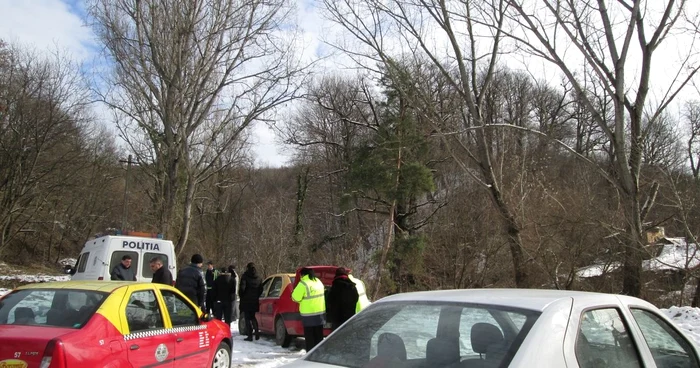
[42, 117]
[189, 78]
[692, 119]
[614, 42]
[461, 41]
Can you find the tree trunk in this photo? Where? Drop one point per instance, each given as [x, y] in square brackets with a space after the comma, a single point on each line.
[186, 216]
[632, 263]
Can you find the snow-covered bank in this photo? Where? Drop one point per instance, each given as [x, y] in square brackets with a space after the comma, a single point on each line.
[687, 318]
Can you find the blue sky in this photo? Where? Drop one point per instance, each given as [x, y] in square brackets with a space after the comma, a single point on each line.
[50, 25]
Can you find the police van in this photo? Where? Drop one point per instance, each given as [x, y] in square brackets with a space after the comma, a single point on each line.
[100, 255]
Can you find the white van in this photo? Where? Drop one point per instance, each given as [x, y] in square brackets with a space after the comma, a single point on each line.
[100, 255]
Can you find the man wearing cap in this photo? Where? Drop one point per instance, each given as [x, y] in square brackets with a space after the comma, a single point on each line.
[190, 281]
[211, 275]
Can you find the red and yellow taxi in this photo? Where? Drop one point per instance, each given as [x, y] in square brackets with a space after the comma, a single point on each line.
[108, 324]
[279, 314]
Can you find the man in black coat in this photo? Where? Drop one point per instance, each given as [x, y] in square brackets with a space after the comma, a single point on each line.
[161, 275]
[123, 270]
[190, 281]
[224, 294]
[341, 299]
[209, 277]
[249, 294]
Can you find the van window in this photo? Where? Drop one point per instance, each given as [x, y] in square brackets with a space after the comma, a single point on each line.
[83, 261]
[117, 258]
[146, 267]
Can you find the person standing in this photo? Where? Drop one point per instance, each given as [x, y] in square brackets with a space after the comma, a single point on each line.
[362, 300]
[309, 293]
[190, 281]
[123, 270]
[342, 299]
[251, 288]
[161, 275]
[236, 306]
[224, 293]
[209, 278]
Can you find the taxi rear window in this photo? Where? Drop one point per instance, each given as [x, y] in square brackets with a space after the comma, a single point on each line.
[50, 307]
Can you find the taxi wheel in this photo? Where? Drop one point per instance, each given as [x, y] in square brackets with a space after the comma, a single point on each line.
[222, 357]
[282, 338]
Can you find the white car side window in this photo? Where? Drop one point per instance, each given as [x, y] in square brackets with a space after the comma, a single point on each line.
[603, 341]
[668, 347]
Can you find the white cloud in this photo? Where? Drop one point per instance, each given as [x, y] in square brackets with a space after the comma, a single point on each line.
[267, 152]
[46, 25]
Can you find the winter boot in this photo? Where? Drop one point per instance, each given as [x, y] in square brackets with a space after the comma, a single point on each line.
[257, 330]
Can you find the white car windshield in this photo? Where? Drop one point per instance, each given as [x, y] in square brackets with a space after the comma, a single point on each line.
[426, 334]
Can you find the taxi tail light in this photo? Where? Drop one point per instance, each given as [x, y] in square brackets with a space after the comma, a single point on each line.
[53, 355]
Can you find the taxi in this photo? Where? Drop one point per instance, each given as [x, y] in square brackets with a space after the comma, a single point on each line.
[108, 324]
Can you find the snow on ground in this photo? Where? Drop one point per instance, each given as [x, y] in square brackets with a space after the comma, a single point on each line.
[7, 273]
[263, 353]
[673, 256]
[688, 319]
[34, 278]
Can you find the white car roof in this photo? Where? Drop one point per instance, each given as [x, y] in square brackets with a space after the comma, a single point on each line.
[532, 299]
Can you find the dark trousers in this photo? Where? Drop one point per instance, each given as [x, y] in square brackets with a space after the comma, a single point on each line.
[223, 310]
[312, 336]
[211, 302]
[251, 323]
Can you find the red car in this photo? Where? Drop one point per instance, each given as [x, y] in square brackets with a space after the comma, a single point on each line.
[108, 324]
[279, 314]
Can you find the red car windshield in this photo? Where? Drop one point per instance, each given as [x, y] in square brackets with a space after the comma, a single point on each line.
[50, 307]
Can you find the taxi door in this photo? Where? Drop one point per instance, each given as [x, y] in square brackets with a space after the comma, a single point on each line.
[148, 342]
[192, 339]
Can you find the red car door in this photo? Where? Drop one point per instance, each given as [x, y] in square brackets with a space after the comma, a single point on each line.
[192, 340]
[268, 304]
[147, 342]
[263, 303]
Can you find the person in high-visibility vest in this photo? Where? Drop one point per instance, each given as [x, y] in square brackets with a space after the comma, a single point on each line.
[310, 294]
[362, 300]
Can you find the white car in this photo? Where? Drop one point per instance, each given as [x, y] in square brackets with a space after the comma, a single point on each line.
[522, 328]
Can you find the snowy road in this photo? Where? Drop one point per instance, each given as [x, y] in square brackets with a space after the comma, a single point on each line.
[263, 353]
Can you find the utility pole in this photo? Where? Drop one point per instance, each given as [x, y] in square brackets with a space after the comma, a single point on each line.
[126, 191]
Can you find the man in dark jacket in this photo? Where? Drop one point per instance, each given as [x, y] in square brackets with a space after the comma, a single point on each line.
[123, 270]
[251, 288]
[190, 281]
[224, 294]
[209, 277]
[161, 275]
[342, 299]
